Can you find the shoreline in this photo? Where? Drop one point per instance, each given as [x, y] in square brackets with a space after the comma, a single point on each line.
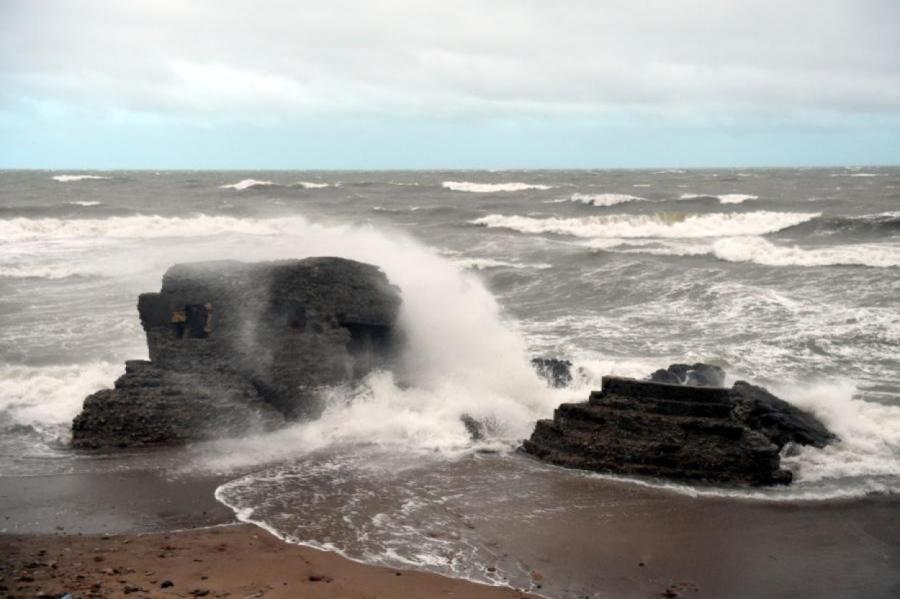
[239, 560]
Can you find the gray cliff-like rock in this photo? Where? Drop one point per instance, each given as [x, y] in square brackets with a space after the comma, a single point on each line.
[677, 431]
[237, 347]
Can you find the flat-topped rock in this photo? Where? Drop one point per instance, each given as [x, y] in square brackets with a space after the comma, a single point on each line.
[677, 431]
[235, 347]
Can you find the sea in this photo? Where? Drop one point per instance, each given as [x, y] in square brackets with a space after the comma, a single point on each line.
[788, 278]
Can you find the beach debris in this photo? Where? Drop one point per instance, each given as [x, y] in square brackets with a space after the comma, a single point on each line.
[237, 348]
[679, 431]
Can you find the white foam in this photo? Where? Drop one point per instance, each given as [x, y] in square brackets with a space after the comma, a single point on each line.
[313, 185]
[763, 251]
[604, 199]
[51, 395]
[725, 198]
[246, 184]
[146, 227]
[40, 271]
[491, 187]
[675, 225]
[485, 263]
[68, 178]
[85, 203]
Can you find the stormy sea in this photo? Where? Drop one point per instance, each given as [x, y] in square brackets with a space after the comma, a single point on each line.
[789, 278]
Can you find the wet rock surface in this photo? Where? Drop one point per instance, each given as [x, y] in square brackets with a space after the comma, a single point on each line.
[557, 373]
[236, 347]
[677, 431]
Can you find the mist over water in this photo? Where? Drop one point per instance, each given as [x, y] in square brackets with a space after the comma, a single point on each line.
[787, 278]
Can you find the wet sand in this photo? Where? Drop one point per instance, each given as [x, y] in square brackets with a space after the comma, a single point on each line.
[635, 543]
[227, 561]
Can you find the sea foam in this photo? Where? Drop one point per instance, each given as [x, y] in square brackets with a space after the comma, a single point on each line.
[70, 178]
[604, 199]
[246, 184]
[725, 198]
[491, 187]
[663, 224]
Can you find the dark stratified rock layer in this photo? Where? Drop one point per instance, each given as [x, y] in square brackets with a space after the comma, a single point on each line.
[676, 431]
[237, 347]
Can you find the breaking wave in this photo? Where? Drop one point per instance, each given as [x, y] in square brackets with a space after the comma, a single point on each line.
[491, 187]
[68, 178]
[201, 225]
[725, 198]
[883, 223]
[84, 203]
[247, 184]
[662, 224]
[762, 251]
[486, 263]
[603, 199]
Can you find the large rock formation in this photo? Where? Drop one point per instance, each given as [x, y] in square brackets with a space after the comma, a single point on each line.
[677, 431]
[237, 347]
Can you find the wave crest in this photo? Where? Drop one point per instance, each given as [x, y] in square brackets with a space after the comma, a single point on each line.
[201, 225]
[69, 178]
[725, 198]
[247, 184]
[661, 224]
[604, 199]
[470, 187]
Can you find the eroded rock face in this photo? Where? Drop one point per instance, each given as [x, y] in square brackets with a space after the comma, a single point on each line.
[676, 431]
[699, 375]
[236, 347]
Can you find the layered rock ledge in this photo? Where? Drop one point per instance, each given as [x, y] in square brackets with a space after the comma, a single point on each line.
[237, 347]
[677, 431]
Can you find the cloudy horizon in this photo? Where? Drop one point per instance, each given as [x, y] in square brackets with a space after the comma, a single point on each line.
[104, 84]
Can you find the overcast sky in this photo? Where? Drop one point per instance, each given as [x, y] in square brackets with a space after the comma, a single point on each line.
[419, 84]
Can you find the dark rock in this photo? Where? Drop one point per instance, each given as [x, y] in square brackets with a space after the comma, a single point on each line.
[166, 584]
[677, 431]
[557, 373]
[237, 348]
[781, 422]
[475, 428]
[698, 375]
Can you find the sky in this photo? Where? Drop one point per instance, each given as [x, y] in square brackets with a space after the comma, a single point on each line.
[343, 84]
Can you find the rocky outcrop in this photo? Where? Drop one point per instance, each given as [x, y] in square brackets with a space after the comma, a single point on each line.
[236, 347]
[676, 431]
[699, 375]
[557, 373]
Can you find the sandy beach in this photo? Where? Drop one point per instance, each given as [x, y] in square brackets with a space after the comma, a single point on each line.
[131, 531]
[225, 561]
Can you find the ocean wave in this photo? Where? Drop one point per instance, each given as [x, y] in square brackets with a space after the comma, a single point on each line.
[486, 263]
[40, 271]
[883, 223]
[604, 199]
[84, 203]
[663, 224]
[312, 185]
[725, 198]
[50, 395]
[201, 225]
[247, 184]
[491, 187]
[763, 252]
[69, 178]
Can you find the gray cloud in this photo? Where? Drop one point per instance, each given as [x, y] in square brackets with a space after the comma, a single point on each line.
[240, 60]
